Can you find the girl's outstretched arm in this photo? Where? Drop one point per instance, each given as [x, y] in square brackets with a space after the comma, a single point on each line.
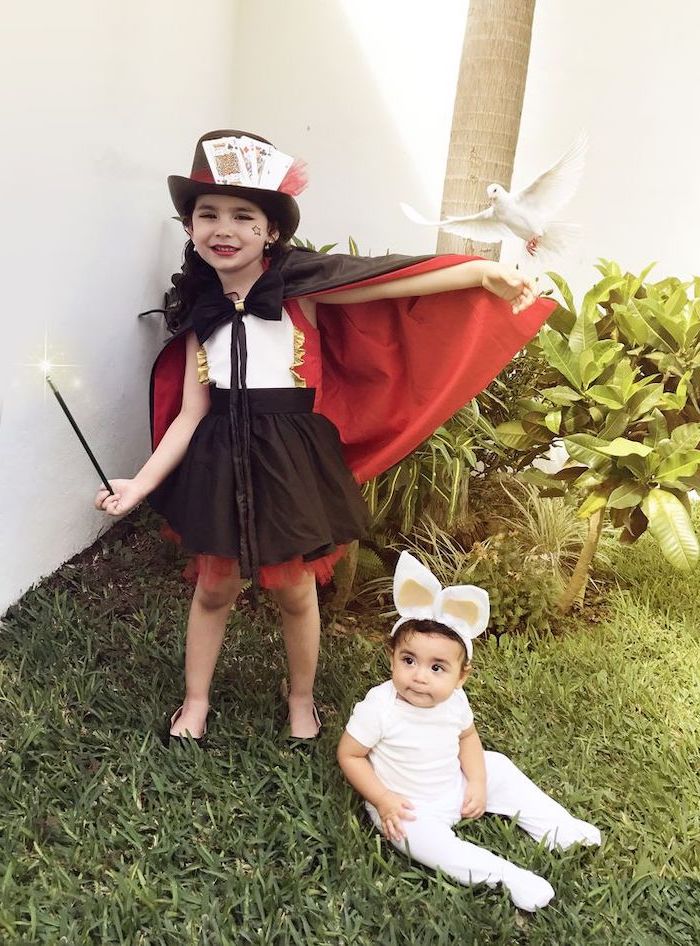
[171, 449]
[501, 280]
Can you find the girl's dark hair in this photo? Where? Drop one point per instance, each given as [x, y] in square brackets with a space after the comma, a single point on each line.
[426, 626]
[195, 274]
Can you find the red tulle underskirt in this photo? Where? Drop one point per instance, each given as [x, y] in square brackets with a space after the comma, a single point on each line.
[211, 570]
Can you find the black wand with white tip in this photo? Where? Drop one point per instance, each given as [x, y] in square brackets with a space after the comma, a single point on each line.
[93, 460]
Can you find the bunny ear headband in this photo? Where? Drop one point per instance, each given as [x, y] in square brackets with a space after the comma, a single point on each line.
[418, 595]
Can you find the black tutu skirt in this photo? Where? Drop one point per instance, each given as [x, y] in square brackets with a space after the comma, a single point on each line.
[306, 501]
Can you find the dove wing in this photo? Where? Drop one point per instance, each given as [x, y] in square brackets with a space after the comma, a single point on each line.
[550, 191]
[483, 227]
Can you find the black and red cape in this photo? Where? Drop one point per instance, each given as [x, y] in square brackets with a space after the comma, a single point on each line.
[395, 369]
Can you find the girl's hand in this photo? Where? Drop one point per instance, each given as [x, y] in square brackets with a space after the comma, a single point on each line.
[393, 809]
[510, 285]
[474, 804]
[127, 495]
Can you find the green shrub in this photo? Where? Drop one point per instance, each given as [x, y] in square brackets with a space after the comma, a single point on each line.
[521, 584]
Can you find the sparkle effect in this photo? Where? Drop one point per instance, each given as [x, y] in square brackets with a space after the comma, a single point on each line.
[46, 365]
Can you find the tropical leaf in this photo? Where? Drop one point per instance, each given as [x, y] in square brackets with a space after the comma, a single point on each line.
[600, 293]
[545, 482]
[637, 465]
[622, 447]
[686, 437]
[512, 434]
[592, 478]
[672, 528]
[645, 400]
[657, 427]
[626, 495]
[645, 316]
[553, 421]
[564, 291]
[616, 423]
[583, 334]
[587, 449]
[559, 356]
[592, 503]
[680, 464]
[561, 394]
[677, 401]
[608, 395]
[671, 316]
[594, 360]
[561, 320]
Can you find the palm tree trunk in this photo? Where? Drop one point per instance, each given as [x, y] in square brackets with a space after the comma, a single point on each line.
[487, 110]
[579, 577]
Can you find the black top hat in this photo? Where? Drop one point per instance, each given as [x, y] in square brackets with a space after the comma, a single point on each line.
[278, 205]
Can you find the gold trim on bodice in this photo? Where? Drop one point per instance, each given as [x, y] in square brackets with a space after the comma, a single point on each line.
[202, 365]
[299, 355]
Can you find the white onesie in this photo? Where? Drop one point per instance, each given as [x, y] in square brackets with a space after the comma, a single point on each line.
[414, 751]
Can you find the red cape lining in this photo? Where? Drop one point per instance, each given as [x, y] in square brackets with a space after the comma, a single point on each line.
[394, 370]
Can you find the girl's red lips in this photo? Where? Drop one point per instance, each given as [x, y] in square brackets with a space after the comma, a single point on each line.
[224, 250]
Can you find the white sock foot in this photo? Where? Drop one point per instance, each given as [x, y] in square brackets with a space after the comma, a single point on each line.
[572, 832]
[528, 891]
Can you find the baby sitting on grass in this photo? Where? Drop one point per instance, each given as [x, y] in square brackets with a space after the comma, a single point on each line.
[412, 751]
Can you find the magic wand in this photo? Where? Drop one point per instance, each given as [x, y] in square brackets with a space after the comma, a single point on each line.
[64, 408]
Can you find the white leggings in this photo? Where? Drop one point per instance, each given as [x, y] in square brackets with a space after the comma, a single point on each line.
[430, 839]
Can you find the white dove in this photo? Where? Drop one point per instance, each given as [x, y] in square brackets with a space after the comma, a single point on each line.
[528, 213]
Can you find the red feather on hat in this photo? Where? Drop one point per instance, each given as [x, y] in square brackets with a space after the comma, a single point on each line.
[295, 180]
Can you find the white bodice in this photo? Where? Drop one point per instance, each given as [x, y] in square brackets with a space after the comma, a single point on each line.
[271, 357]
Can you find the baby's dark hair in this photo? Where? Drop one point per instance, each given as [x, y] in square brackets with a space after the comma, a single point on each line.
[427, 626]
[195, 273]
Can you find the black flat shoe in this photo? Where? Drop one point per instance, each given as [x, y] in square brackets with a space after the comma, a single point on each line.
[305, 742]
[298, 742]
[169, 738]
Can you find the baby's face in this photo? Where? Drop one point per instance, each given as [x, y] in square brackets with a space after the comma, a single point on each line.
[427, 668]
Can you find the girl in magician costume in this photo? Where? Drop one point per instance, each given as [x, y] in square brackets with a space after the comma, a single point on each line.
[292, 377]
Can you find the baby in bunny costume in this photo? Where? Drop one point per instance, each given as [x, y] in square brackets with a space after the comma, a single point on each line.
[411, 749]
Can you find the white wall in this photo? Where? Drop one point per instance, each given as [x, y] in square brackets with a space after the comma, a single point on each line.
[106, 100]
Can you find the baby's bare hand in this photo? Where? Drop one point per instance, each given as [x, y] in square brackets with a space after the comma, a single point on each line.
[474, 804]
[393, 809]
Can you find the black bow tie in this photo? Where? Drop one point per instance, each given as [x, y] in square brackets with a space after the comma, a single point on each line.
[212, 308]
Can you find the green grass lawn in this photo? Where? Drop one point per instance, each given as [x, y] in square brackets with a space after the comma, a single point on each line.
[107, 837]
